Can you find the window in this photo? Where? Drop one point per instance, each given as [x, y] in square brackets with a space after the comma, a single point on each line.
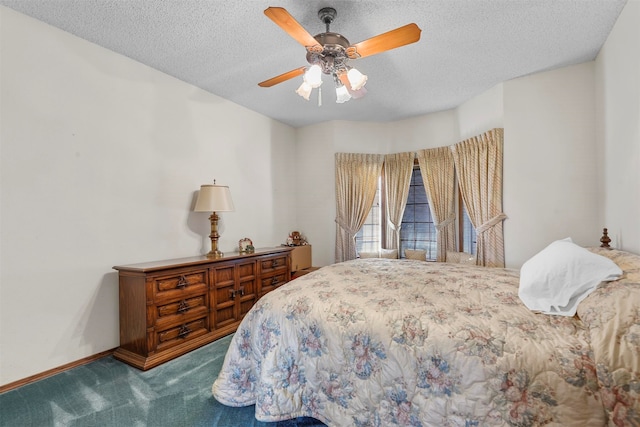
[418, 230]
[467, 233]
[369, 237]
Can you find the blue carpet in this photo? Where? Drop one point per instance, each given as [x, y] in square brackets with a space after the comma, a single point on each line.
[107, 392]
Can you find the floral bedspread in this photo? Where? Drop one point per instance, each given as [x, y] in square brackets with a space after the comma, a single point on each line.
[612, 315]
[379, 342]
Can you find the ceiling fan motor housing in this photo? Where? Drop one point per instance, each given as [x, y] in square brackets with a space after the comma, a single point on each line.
[333, 56]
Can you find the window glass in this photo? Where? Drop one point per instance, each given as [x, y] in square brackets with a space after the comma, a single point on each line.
[418, 230]
[468, 233]
[369, 238]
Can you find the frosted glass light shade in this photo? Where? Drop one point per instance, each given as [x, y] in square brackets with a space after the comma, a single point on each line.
[356, 78]
[214, 198]
[313, 76]
[304, 90]
[357, 94]
[342, 94]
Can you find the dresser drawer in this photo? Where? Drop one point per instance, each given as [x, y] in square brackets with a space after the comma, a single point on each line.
[179, 284]
[180, 333]
[273, 264]
[269, 283]
[180, 311]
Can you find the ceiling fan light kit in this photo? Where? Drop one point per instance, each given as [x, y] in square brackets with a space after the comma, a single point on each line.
[313, 76]
[356, 78]
[304, 90]
[342, 94]
[329, 53]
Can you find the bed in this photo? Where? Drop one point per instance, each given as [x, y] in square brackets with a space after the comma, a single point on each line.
[383, 342]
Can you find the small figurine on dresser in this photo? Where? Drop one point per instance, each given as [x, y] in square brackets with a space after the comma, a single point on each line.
[296, 239]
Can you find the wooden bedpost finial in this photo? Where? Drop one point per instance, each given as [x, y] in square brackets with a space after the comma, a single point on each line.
[605, 240]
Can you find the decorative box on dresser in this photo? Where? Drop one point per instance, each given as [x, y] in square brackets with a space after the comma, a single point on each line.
[168, 308]
[300, 258]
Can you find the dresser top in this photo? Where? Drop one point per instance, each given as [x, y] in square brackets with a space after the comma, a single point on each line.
[196, 260]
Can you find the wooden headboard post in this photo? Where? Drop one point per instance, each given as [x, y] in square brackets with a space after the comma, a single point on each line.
[605, 240]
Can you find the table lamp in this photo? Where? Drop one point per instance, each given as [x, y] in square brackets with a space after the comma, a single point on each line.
[214, 198]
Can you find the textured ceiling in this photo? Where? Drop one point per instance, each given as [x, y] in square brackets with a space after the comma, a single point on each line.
[228, 47]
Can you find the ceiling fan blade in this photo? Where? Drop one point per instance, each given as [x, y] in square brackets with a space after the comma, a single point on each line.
[407, 34]
[288, 23]
[282, 77]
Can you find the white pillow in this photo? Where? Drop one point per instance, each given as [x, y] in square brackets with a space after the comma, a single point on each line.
[556, 279]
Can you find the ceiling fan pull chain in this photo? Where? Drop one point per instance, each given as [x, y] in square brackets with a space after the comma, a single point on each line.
[319, 97]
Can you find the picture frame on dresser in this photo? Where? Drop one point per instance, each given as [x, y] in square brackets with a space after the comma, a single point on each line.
[245, 246]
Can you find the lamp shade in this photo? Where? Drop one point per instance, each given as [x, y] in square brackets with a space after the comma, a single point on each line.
[214, 198]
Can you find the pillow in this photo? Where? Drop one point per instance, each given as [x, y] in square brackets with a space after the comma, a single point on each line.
[384, 253]
[628, 262]
[418, 254]
[460, 258]
[369, 255]
[389, 253]
[556, 279]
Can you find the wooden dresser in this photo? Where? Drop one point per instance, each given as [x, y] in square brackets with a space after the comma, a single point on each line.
[168, 308]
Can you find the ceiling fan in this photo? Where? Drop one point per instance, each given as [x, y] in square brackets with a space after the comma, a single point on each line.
[329, 53]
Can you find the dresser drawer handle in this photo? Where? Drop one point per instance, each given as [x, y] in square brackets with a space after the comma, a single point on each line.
[183, 307]
[182, 283]
[184, 331]
[274, 263]
[274, 281]
[241, 290]
[232, 293]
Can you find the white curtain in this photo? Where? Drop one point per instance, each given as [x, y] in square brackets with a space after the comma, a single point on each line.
[356, 185]
[438, 177]
[478, 163]
[397, 178]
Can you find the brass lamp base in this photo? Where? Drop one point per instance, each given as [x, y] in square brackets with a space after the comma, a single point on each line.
[214, 236]
[215, 254]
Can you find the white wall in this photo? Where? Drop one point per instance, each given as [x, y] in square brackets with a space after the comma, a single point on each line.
[429, 131]
[101, 161]
[550, 164]
[618, 95]
[481, 113]
[315, 190]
